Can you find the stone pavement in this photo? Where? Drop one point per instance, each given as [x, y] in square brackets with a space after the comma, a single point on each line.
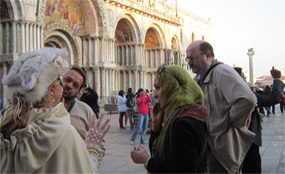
[117, 158]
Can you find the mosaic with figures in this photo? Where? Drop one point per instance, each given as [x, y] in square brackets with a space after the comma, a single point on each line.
[67, 12]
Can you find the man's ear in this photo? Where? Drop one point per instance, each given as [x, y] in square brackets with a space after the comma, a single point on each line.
[208, 54]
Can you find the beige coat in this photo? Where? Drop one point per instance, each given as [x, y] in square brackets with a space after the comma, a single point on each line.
[81, 116]
[229, 102]
[48, 144]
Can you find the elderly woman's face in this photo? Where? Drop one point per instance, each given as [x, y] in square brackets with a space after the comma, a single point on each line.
[57, 91]
[158, 92]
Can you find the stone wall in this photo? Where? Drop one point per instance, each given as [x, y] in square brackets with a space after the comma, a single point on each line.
[119, 43]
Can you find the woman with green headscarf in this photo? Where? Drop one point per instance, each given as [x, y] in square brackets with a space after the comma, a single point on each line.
[178, 141]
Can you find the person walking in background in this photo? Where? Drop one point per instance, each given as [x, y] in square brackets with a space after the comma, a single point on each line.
[90, 97]
[261, 111]
[252, 160]
[267, 91]
[272, 106]
[35, 133]
[282, 101]
[142, 102]
[131, 102]
[178, 141]
[121, 99]
[229, 102]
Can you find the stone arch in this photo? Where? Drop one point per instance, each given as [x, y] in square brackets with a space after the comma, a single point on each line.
[91, 17]
[103, 18]
[132, 22]
[159, 32]
[15, 9]
[154, 44]
[59, 35]
[175, 50]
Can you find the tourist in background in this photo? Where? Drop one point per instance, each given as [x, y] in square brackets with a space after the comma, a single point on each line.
[267, 91]
[252, 161]
[142, 103]
[121, 100]
[90, 97]
[282, 101]
[131, 102]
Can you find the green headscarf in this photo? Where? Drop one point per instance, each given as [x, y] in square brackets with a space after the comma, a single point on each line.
[179, 89]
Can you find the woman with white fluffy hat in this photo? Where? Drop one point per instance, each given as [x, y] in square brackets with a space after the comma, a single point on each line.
[35, 131]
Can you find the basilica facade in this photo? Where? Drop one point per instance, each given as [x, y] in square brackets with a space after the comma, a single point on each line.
[119, 43]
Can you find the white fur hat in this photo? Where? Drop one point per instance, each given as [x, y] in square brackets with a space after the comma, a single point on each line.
[33, 72]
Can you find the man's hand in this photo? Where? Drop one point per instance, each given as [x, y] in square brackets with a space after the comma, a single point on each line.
[275, 73]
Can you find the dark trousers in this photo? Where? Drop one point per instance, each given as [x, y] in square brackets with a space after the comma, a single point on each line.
[252, 160]
[121, 118]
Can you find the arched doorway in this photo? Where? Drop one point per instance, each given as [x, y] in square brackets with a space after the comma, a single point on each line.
[152, 48]
[61, 39]
[124, 43]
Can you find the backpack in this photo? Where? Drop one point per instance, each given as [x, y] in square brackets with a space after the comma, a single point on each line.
[130, 101]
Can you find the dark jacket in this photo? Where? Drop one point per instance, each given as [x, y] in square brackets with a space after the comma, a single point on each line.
[91, 98]
[262, 101]
[187, 150]
[274, 97]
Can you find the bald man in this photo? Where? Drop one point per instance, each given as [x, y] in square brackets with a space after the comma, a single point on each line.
[229, 102]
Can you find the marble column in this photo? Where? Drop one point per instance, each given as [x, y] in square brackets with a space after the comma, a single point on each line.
[7, 35]
[95, 61]
[84, 52]
[13, 45]
[251, 72]
[89, 41]
[102, 82]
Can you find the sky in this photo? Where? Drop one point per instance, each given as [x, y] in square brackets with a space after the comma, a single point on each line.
[237, 25]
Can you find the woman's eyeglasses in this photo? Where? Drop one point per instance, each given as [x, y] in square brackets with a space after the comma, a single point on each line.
[159, 71]
[163, 68]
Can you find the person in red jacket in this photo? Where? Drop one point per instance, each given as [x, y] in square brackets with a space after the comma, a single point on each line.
[143, 115]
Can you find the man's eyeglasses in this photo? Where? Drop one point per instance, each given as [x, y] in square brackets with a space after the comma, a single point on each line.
[192, 58]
